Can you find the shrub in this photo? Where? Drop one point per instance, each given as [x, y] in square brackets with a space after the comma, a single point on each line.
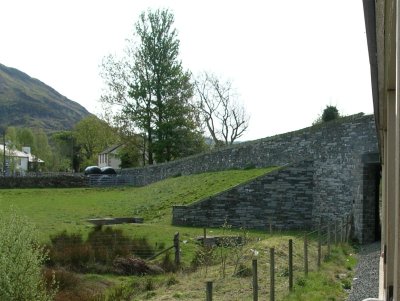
[98, 252]
[204, 256]
[243, 271]
[64, 279]
[168, 263]
[21, 259]
[69, 250]
[134, 266]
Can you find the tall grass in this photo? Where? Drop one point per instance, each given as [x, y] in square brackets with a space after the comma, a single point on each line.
[98, 252]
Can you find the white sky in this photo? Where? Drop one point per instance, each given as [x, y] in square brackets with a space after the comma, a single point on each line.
[287, 59]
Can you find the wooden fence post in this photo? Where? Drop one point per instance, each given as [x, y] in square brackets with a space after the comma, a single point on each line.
[305, 255]
[290, 264]
[204, 236]
[255, 280]
[177, 249]
[270, 228]
[272, 274]
[209, 289]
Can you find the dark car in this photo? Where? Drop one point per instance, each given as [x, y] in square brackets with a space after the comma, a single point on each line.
[92, 170]
[107, 170]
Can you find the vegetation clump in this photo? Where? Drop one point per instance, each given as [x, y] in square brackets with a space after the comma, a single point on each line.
[105, 250]
[21, 259]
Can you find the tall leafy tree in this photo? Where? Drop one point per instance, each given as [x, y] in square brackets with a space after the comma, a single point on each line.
[93, 135]
[65, 151]
[42, 148]
[152, 87]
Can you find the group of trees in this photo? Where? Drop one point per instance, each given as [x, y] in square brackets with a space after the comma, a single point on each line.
[156, 108]
[151, 92]
[65, 150]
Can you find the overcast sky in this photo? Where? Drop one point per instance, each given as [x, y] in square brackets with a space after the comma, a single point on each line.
[287, 59]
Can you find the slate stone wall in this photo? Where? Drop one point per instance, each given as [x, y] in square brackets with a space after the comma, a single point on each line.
[335, 148]
[282, 198]
[44, 182]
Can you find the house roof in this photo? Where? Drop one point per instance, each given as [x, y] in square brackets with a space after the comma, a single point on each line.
[19, 154]
[111, 148]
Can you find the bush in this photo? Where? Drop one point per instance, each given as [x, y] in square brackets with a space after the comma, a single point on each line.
[204, 256]
[243, 271]
[168, 264]
[134, 266]
[69, 250]
[64, 279]
[98, 252]
[21, 259]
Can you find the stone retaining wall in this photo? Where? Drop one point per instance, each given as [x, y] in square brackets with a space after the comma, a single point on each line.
[339, 181]
[283, 198]
[44, 182]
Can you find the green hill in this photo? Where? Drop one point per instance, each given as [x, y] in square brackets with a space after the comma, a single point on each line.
[54, 210]
[28, 102]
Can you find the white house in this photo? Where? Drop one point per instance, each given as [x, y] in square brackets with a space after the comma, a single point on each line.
[109, 157]
[18, 161]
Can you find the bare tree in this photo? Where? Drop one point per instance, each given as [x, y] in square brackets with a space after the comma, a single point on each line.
[221, 112]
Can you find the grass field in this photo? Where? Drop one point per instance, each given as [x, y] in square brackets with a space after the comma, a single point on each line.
[55, 210]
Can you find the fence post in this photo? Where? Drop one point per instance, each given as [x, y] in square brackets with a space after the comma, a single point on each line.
[329, 239]
[204, 236]
[272, 274]
[319, 246]
[255, 280]
[305, 255]
[209, 289]
[177, 249]
[290, 264]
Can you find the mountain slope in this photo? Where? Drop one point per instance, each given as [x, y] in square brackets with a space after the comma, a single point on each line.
[27, 102]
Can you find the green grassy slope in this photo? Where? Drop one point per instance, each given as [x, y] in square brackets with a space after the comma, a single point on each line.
[54, 210]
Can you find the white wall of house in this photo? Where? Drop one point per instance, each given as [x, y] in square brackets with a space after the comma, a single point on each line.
[18, 161]
[109, 159]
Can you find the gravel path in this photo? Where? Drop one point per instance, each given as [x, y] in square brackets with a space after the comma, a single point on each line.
[366, 281]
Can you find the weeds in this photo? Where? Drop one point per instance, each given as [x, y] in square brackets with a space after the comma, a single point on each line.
[98, 253]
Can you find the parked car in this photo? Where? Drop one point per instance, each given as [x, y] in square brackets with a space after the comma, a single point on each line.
[92, 170]
[107, 170]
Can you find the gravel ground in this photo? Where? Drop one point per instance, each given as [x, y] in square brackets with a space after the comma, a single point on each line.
[366, 282]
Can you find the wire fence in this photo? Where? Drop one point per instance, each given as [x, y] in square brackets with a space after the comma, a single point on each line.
[102, 180]
[275, 268]
[268, 270]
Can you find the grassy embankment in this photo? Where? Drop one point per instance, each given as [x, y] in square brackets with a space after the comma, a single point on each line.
[55, 210]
